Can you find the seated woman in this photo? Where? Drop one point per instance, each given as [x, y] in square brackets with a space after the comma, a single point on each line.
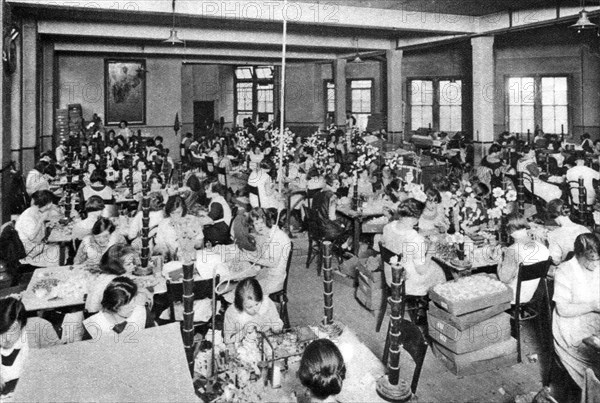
[324, 207]
[322, 370]
[365, 184]
[577, 312]
[433, 220]
[251, 311]
[156, 216]
[93, 246]
[400, 237]
[118, 260]
[273, 247]
[494, 162]
[269, 197]
[524, 250]
[216, 223]
[17, 336]
[176, 229]
[120, 311]
[139, 166]
[37, 179]
[562, 239]
[93, 208]
[31, 226]
[98, 187]
[533, 183]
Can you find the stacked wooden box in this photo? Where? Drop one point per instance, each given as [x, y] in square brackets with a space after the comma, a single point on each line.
[472, 335]
[371, 282]
[75, 119]
[61, 123]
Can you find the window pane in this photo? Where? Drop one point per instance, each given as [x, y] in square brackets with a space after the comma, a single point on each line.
[361, 84]
[421, 116]
[450, 92]
[361, 120]
[554, 104]
[361, 101]
[264, 72]
[244, 96]
[421, 92]
[244, 73]
[265, 97]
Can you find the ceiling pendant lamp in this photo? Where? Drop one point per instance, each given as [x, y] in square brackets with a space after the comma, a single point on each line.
[583, 23]
[173, 38]
[357, 58]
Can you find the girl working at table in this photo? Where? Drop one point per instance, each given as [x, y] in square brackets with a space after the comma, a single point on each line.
[17, 337]
[176, 229]
[156, 216]
[577, 312]
[120, 311]
[216, 223]
[98, 187]
[273, 248]
[322, 370]
[251, 311]
[93, 246]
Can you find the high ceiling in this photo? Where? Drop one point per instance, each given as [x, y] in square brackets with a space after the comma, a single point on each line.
[460, 7]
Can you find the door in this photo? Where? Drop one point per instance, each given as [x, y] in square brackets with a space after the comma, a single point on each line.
[204, 117]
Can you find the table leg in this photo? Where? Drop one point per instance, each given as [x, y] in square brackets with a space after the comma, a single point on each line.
[62, 254]
[356, 239]
[288, 215]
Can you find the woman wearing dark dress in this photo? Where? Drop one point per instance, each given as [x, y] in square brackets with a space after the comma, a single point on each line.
[216, 228]
[493, 162]
[324, 217]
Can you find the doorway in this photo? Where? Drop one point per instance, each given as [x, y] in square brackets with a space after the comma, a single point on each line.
[204, 117]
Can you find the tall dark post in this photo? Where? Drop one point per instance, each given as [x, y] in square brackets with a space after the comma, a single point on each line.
[327, 283]
[521, 194]
[188, 314]
[547, 164]
[145, 221]
[582, 201]
[356, 197]
[68, 190]
[528, 137]
[180, 174]
[391, 387]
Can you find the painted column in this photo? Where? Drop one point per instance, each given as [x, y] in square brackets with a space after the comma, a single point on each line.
[339, 79]
[29, 100]
[483, 94]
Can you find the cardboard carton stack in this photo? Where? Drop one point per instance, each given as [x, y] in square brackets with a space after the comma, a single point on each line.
[371, 282]
[75, 119]
[471, 333]
[61, 123]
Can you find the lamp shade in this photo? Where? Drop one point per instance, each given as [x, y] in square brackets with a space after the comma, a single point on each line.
[357, 59]
[173, 38]
[583, 23]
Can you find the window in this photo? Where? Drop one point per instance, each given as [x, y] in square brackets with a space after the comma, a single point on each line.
[450, 101]
[361, 101]
[537, 102]
[254, 91]
[521, 96]
[330, 94]
[421, 104]
[554, 105]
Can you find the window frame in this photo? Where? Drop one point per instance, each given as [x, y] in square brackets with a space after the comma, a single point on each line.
[435, 113]
[256, 81]
[538, 120]
[349, 90]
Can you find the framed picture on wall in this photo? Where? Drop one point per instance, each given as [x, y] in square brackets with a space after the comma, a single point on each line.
[125, 91]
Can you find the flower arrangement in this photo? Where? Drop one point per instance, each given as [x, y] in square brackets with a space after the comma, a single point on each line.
[243, 141]
[502, 202]
[288, 145]
[394, 161]
[415, 191]
[366, 155]
[464, 199]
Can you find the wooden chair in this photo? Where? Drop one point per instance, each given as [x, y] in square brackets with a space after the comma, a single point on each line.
[223, 171]
[581, 212]
[527, 273]
[202, 289]
[310, 194]
[254, 190]
[315, 240]
[210, 165]
[414, 343]
[414, 302]
[280, 297]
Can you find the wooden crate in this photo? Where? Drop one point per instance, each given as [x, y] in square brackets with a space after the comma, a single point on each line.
[499, 355]
[485, 334]
[466, 321]
[368, 296]
[466, 306]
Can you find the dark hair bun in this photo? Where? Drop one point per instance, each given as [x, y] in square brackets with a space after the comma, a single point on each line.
[411, 208]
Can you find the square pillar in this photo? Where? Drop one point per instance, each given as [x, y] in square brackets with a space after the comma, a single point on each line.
[483, 94]
[29, 99]
[395, 121]
[339, 79]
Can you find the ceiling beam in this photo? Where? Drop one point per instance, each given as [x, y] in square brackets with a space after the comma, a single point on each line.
[206, 35]
[180, 51]
[314, 14]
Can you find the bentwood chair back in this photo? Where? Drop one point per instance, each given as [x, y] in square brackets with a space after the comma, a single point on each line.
[253, 190]
[528, 273]
[223, 171]
[415, 344]
[280, 297]
[315, 239]
[210, 164]
[310, 194]
[386, 256]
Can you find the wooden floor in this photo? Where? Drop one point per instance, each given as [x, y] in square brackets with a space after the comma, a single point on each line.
[437, 384]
